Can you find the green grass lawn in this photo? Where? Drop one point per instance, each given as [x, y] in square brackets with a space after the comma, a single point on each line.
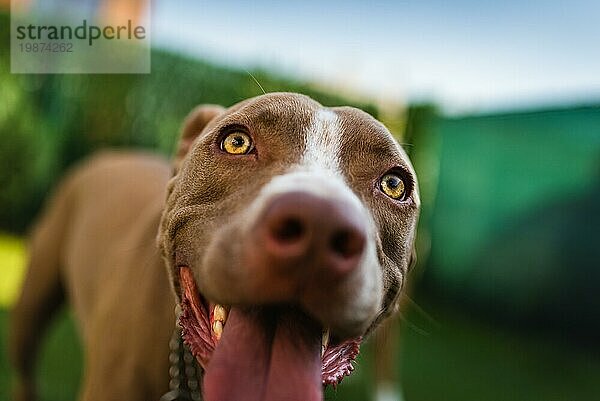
[455, 358]
[466, 359]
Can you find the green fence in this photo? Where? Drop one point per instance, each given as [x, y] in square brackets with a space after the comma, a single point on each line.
[515, 219]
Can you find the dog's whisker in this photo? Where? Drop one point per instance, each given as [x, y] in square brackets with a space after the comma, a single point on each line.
[421, 311]
[413, 326]
[257, 83]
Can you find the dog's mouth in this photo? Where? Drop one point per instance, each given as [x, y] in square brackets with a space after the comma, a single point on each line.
[260, 352]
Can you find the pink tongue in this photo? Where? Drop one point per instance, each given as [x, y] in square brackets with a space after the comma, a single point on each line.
[266, 355]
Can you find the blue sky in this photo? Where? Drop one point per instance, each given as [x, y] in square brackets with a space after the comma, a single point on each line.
[466, 55]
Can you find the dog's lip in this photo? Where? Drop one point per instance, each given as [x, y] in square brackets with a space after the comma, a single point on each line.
[197, 319]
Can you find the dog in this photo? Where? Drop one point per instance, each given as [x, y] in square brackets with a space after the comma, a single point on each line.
[285, 232]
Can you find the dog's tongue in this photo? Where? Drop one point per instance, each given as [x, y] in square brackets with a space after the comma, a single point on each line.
[266, 355]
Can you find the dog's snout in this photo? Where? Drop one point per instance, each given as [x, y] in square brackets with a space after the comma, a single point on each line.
[302, 228]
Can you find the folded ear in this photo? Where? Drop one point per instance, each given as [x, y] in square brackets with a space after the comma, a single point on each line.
[193, 125]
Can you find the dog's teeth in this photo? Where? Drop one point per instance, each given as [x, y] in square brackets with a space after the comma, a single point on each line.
[220, 313]
[324, 341]
[217, 328]
[219, 318]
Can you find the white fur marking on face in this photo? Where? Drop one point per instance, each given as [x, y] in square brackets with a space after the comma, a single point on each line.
[323, 140]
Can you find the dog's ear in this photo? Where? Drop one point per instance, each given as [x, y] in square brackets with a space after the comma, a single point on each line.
[192, 126]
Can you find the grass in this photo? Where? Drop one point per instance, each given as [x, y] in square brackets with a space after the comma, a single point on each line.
[466, 359]
[59, 365]
[457, 358]
[12, 263]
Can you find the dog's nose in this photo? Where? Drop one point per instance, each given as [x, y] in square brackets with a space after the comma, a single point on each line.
[305, 229]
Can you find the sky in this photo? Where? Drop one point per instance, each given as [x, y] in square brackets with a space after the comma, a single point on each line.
[465, 55]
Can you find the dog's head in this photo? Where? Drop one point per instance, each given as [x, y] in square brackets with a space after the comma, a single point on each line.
[288, 231]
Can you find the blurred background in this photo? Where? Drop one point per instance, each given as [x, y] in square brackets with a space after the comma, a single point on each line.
[498, 104]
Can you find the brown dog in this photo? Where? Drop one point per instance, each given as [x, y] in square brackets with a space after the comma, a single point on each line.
[287, 232]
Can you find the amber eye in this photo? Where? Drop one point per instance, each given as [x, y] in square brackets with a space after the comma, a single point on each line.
[393, 186]
[236, 143]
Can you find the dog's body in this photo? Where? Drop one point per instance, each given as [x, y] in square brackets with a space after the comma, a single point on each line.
[299, 218]
[98, 240]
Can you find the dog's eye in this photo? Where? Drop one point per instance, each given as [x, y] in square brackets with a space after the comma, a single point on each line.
[236, 143]
[393, 186]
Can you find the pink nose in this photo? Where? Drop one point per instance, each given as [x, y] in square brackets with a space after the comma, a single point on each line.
[304, 231]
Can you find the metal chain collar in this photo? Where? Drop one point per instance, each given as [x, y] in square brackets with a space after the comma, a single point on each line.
[184, 371]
